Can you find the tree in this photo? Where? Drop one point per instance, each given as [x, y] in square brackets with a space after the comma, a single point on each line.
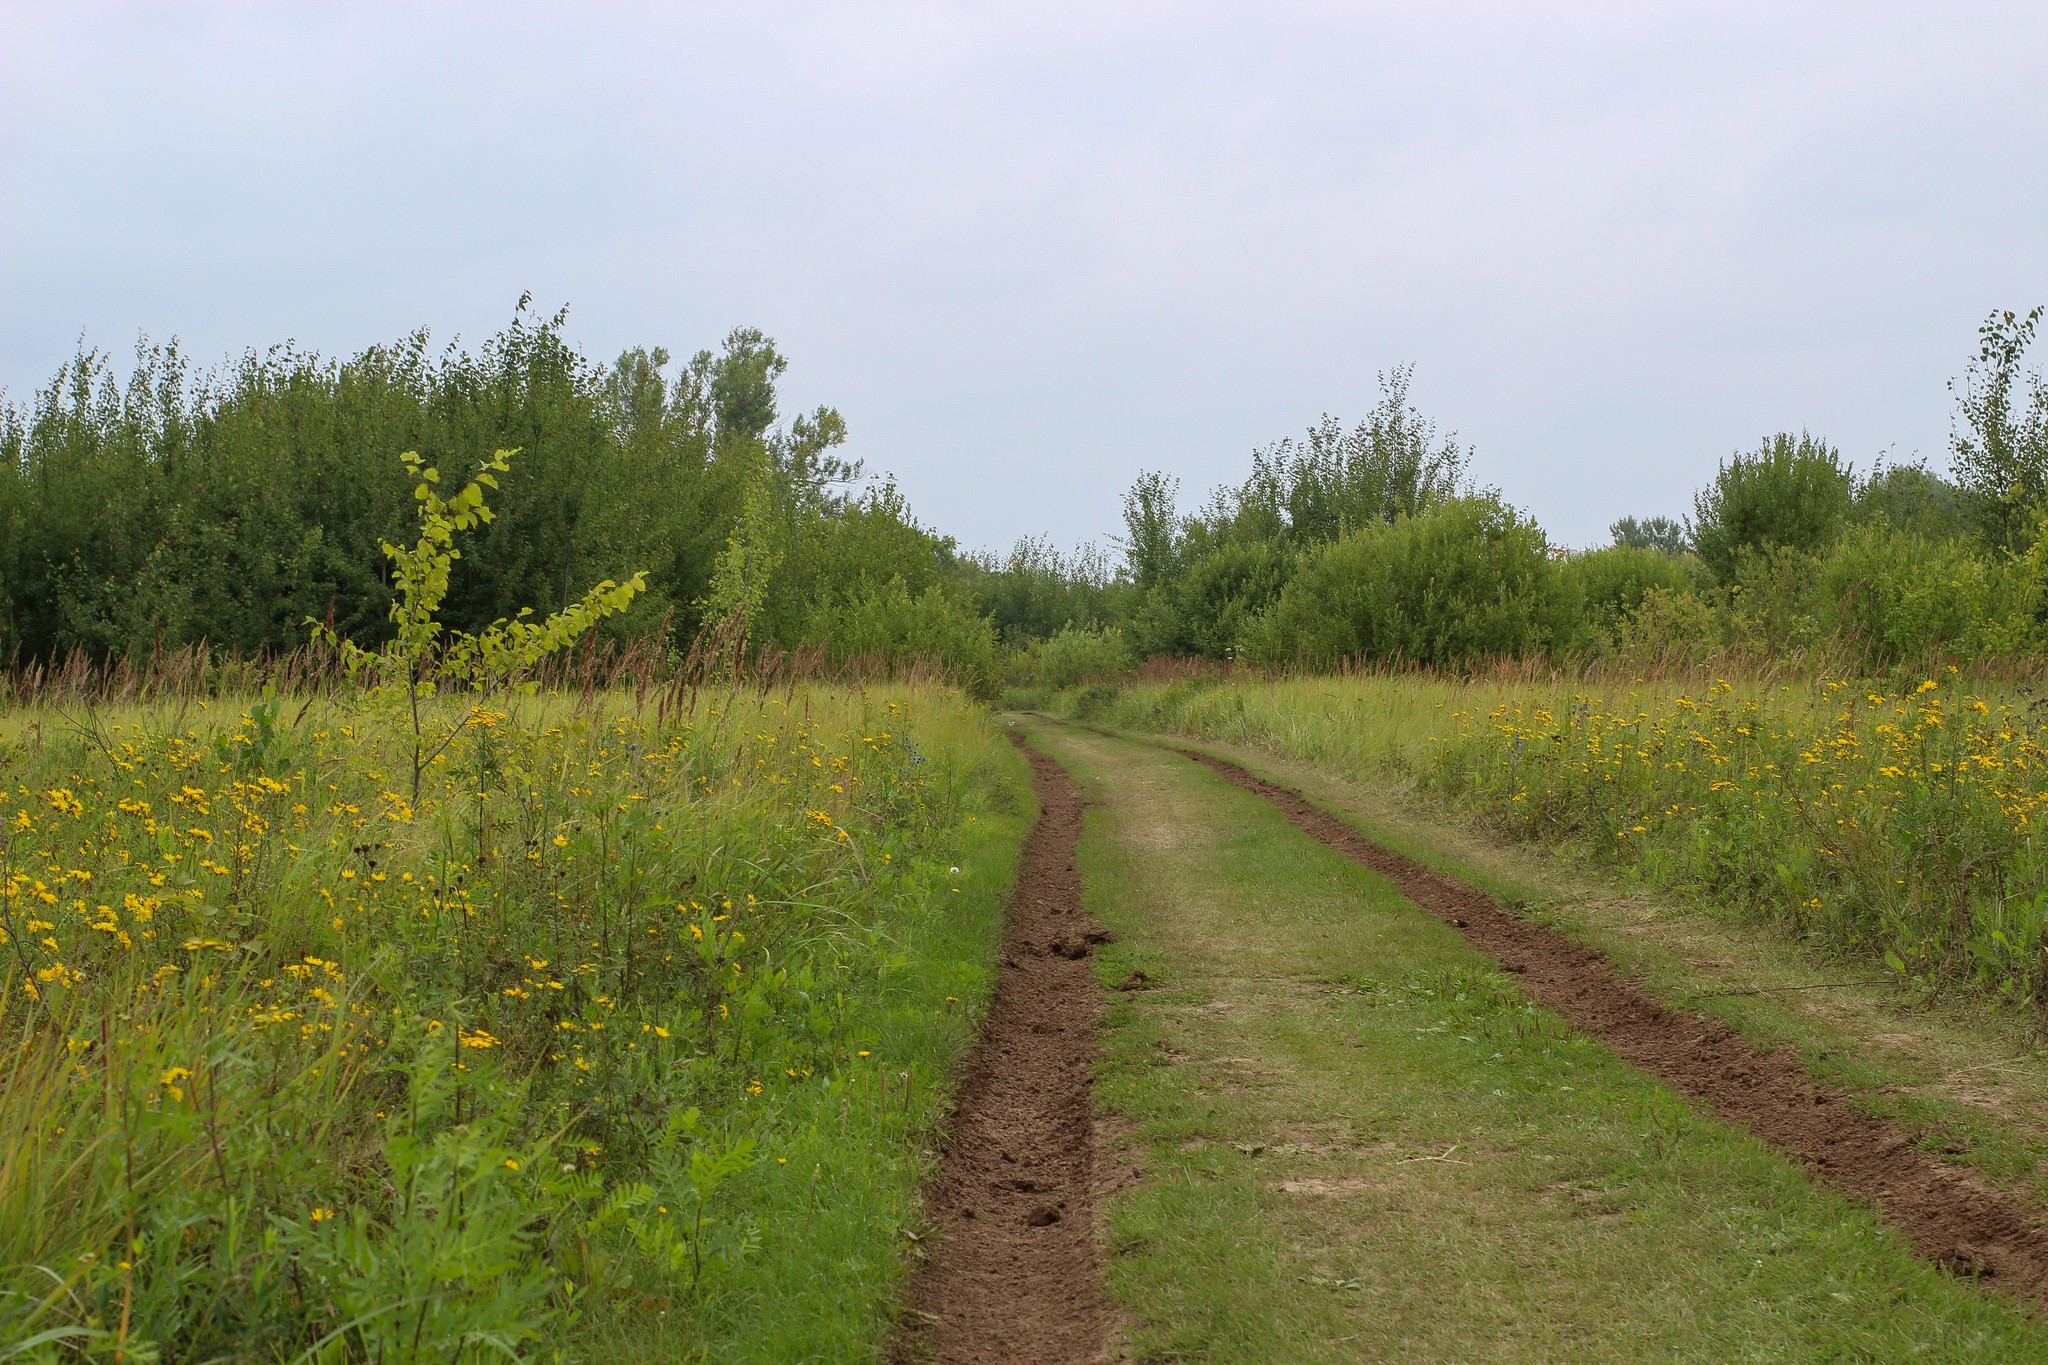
[2001, 456]
[742, 388]
[1332, 481]
[1914, 499]
[1791, 493]
[1152, 528]
[1666, 535]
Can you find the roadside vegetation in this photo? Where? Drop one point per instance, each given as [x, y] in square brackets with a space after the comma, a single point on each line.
[1811, 702]
[423, 1015]
[1361, 1141]
[1894, 831]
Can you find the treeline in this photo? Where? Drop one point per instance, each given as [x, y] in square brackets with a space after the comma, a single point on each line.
[231, 506]
[1373, 543]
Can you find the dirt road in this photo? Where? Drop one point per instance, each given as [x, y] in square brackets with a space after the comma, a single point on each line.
[1381, 1116]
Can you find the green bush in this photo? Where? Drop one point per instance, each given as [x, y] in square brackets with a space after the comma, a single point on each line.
[1912, 497]
[1790, 493]
[1221, 589]
[1669, 628]
[1774, 605]
[1897, 596]
[1080, 654]
[1040, 588]
[1610, 583]
[899, 627]
[1470, 580]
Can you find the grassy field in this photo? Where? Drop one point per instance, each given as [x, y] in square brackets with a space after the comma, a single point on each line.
[1361, 1142]
[624, 1040]
[1896, 829]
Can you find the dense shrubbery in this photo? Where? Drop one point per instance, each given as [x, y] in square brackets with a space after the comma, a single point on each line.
[1037, 590]
[1198, 583]
[1609, 585]
[892, 624]
[142, 517]
[1077, 654]
[1467, 580]
[230, 507]
[1369, 545]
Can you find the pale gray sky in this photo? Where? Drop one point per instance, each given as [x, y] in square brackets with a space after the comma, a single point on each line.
[1029, 249]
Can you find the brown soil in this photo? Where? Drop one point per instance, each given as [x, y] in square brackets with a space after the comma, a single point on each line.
[1951, 1215]
[1015, 1264]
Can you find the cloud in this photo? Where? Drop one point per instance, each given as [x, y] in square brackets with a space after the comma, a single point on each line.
[1028, 250]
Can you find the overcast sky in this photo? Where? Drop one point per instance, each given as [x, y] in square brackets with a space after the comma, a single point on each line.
[1030, 249]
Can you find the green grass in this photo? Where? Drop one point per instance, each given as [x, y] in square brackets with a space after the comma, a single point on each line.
[836, 1220]
[626, 1041]
[1362, 1143]
[1965, 1075]
[1893, 827]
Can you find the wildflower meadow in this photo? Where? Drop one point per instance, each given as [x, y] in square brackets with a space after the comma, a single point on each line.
[299, 1066]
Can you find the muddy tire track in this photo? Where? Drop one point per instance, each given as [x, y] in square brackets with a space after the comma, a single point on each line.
[1015, 1264]
[1951, 1215]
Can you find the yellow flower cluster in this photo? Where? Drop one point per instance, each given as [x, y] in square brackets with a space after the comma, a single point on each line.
[1899, 821]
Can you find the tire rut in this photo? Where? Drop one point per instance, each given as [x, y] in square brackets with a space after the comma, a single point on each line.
[1951, 1215]
[1014, 1268]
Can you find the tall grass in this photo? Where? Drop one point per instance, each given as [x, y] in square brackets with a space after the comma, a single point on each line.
[1897, 825]
[623, 1041]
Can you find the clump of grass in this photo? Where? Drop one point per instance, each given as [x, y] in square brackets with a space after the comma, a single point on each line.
[569, 1055]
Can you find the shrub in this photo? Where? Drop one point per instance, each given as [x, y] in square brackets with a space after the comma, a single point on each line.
[1080, 654]
[1791, 492]
[1611, 583]
[1223, 592]
[1912, 497]
[1898, 596]
[1470, 580]
[937, 625]
[1670, 628]
[1774, 603]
